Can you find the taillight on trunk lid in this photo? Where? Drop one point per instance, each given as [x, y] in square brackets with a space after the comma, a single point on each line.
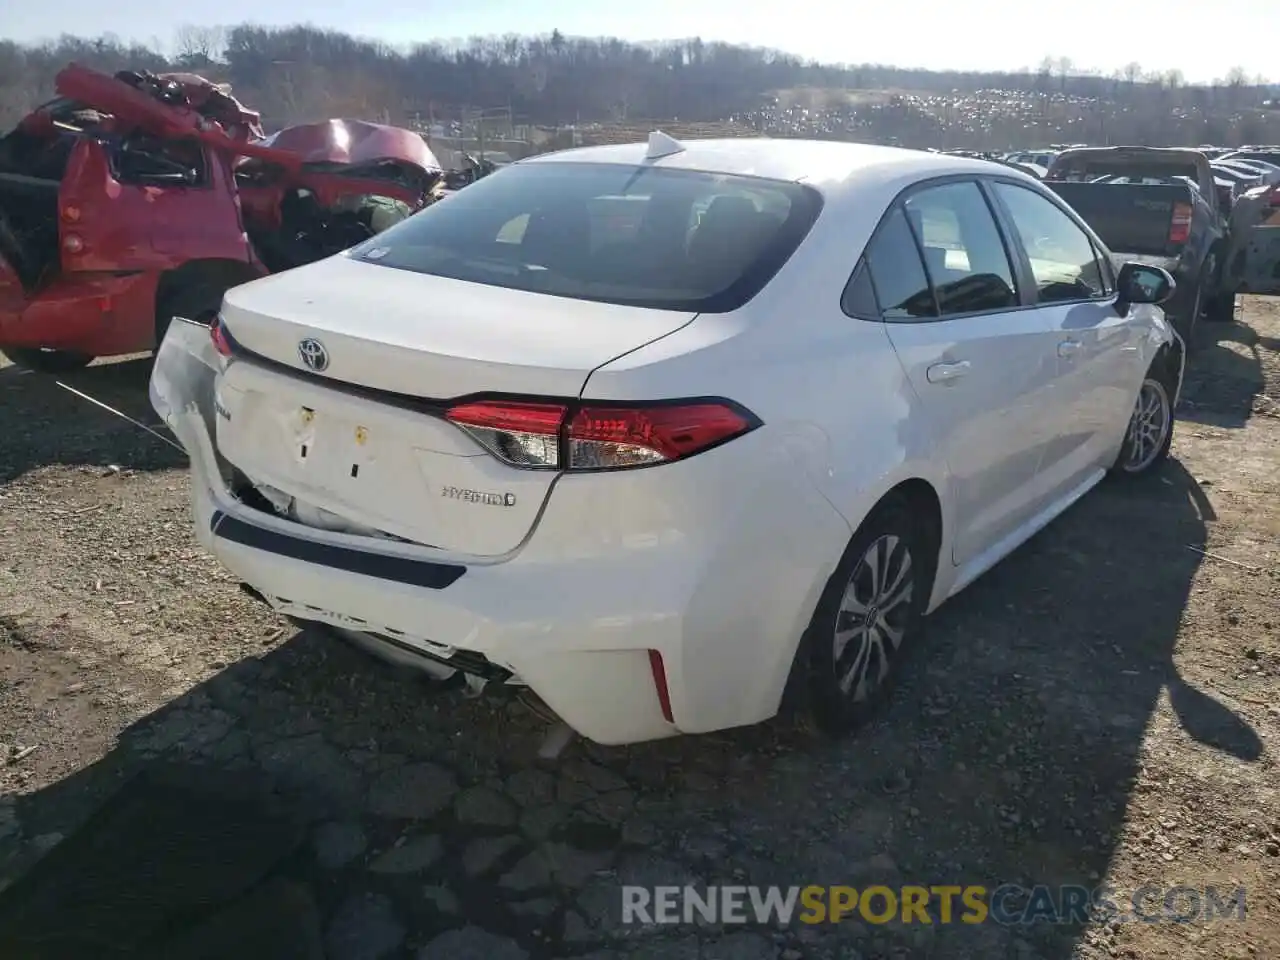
[583, 437]
[1180, 224]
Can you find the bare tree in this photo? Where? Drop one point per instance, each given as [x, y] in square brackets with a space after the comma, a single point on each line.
[1064, 65]
[199, 46]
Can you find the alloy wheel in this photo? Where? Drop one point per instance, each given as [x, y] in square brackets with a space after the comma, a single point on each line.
[1148, 426]
[873, 616]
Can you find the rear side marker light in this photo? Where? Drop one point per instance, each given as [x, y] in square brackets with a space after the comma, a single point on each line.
[553, 436]
[221, 339]
[659, 671]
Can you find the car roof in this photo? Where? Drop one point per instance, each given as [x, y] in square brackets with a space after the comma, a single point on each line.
[825, 164]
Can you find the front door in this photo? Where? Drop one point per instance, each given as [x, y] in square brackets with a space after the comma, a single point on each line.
[982, 367]
[1099, 357]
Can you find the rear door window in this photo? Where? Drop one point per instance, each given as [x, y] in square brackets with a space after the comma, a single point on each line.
[639, 236]
[896, 272]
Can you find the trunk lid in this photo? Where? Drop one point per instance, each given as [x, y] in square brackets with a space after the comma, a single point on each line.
[433, 337]
[342, 458]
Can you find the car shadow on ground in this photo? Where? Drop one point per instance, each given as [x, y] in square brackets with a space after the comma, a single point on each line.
[1230, 371]
[311, 803]
[45, 424]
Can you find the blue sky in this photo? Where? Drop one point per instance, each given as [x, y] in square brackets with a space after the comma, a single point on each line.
[962, 34]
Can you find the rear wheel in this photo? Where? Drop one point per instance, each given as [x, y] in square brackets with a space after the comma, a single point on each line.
[1220, 308]
[47, 361]
[199, 300]
[868, 614]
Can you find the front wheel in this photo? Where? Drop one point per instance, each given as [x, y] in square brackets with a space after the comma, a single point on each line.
[40, 360]
[1150, 433]
[868, 613]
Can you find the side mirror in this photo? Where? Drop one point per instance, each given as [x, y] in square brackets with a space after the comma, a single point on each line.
[1143, 283]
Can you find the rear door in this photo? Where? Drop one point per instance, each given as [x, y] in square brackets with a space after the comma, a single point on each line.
[1097, 350]
[981, 365]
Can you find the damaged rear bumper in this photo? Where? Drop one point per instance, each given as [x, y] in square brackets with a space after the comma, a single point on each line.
[404, 597]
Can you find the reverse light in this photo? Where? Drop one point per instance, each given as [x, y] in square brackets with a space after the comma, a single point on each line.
[221, 339]
[73, 243]
[1180, 224]
[604, 437]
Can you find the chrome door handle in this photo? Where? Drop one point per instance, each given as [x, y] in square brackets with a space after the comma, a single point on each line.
[946, 372]
[1068, 348]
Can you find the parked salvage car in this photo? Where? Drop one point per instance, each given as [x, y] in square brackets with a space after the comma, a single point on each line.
[1163, 206]
[663, 432]
[135, 197]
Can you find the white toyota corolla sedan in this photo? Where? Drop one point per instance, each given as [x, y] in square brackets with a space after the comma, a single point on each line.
[662, 431]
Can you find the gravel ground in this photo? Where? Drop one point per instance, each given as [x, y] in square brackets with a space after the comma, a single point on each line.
[1102, 707]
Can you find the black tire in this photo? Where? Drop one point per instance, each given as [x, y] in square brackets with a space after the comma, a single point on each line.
[1145, 448]
[1186, 324]
[199, 301]
[871, 653]
[1220, 308]
[47, 361]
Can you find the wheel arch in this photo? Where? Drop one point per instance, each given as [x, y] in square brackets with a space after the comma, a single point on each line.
[923, 500]
[925, 504]
[1171, 358]
[221, 273]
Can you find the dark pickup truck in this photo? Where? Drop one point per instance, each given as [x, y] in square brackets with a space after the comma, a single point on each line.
[1161, 206]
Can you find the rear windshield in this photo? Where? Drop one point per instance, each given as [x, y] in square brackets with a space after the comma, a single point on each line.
[638, 236]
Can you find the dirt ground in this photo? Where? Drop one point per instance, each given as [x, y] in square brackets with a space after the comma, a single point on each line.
[1102, 707]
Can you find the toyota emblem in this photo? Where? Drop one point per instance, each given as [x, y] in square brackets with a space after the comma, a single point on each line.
[314, 355]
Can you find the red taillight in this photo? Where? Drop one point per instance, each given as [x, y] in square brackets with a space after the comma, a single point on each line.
[659, 671]
[560, 437]
[1180, 225]
[221, 342]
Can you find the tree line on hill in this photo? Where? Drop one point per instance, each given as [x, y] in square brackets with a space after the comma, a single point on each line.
[304, 73]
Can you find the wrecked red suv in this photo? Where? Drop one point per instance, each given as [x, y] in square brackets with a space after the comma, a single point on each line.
[135, 198]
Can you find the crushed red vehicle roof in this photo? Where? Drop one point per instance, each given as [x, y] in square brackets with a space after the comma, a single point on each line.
[354, 142]
[187, 105]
